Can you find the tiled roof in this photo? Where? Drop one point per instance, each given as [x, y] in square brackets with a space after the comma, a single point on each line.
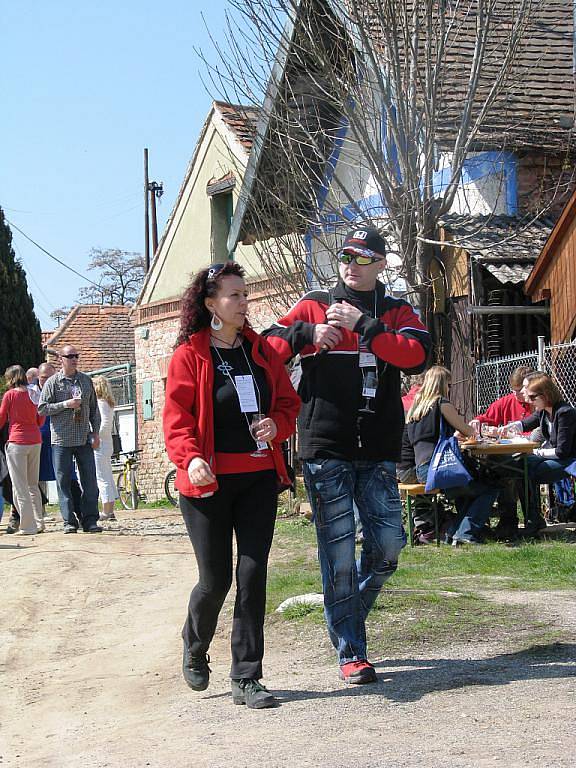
[46, 335]
[536, 107]
[241, 120]
[505, 245]
[102, 334]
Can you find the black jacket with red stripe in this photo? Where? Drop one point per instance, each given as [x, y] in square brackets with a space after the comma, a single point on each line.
[332, 423]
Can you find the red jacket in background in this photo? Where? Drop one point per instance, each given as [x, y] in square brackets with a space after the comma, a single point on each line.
[505, 410]
[188, 410]
[408, 398]
[22, 416]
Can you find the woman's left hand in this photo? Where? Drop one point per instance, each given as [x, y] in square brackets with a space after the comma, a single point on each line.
[267, 430]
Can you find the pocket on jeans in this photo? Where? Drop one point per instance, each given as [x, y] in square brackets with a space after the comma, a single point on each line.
[327, 485]
[388, 477]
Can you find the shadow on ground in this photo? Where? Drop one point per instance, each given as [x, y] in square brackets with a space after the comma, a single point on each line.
[415, 678]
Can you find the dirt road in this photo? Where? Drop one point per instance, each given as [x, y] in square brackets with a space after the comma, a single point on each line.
[90, 660]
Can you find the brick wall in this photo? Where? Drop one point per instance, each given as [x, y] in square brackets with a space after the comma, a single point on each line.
[152, 355]
[544, 181]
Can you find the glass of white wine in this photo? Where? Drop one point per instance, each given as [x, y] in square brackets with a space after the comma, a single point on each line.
[77, 395]
[254, 427]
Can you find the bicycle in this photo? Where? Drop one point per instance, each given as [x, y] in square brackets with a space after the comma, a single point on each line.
[170, 489]
[126, 482]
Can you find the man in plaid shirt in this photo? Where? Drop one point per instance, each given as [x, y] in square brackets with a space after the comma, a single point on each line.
[69, 399]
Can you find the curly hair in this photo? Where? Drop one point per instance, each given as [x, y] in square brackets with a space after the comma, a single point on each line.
[103, 390]
[194, 315]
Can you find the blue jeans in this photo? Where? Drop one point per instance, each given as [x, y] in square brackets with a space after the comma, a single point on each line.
[541, 470]
[350, 587]
[62, 459]
[473, 504]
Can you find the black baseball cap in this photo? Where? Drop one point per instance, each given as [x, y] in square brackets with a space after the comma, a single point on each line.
[365, 241]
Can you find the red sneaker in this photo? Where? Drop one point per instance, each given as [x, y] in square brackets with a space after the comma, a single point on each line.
[358, 672]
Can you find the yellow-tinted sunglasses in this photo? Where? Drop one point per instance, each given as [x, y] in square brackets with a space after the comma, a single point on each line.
[361, 260]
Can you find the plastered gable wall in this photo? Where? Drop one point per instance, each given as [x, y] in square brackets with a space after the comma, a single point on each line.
[186, 247]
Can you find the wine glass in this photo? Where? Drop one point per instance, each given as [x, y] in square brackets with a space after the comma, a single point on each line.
[76, 391]
[369, 391]
[254, 427]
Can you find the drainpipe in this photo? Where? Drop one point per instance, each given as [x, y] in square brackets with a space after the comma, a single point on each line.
[541, 355]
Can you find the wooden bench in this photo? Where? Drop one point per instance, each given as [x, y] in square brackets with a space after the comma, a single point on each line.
[409, 491]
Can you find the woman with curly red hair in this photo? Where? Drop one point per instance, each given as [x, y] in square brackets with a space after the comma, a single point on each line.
[222, 378]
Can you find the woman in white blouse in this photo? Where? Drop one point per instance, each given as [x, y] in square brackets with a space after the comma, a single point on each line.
[103, 454]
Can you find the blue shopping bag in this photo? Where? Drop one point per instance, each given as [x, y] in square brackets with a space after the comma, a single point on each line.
[447, 468]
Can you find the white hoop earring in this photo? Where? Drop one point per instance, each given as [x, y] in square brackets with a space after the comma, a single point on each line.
[216, 324]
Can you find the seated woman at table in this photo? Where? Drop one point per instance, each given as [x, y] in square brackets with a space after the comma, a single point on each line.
[511, 407]
[473, 502]
[557, 421]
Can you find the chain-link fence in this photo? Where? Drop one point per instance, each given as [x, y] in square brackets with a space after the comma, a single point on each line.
[123, 388]
[123, 383]
[559, 360]
[560, 363]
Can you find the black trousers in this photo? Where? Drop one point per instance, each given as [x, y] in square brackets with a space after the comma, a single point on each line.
[244, 506]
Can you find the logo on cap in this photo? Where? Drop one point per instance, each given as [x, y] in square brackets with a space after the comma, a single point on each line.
[360, 234]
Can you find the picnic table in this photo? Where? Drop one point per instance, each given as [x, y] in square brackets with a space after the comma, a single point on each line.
[507, 453]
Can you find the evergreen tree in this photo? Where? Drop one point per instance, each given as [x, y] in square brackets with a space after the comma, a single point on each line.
[20, 335]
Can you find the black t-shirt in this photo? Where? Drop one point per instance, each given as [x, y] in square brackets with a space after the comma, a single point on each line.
[231, 431]
[424, 434]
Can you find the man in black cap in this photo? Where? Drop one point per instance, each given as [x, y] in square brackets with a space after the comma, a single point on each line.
[353, 342]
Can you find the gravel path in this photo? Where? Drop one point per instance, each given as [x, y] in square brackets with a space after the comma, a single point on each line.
[90, 655]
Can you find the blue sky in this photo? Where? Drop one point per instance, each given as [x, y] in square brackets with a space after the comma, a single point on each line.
[84, 88]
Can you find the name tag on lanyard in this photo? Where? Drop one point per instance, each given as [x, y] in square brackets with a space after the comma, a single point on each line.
[365, 358]
[246, 394]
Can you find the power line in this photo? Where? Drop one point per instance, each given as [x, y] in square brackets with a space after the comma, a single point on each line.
[51, 256]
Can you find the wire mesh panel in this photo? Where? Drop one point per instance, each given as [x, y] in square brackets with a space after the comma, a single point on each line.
[560, 362]
[123, 388]
[493, 377]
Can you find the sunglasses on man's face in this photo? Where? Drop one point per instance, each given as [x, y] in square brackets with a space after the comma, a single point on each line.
[362, 261]
[71, 357]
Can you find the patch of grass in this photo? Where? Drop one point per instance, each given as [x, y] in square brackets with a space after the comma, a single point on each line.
[543, 565]
[293, 567]
[431, 598]
[400, 619]
[160, 504]
[303, 610]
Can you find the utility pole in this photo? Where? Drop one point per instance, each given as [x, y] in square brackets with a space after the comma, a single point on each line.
[146, 216]
[152, 190]
[156, 189]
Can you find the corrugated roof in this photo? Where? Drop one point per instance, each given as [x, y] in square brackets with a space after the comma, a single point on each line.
[505, 245]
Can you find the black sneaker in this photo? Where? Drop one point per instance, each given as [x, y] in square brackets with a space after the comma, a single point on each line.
[195, 669]
[253, 694]
[94, 529]
[13, 524]
[70, 528]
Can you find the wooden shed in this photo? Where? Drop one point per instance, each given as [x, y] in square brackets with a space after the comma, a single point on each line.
[553, 276]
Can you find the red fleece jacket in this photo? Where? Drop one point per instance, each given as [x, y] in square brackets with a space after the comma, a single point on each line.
[188, 409]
